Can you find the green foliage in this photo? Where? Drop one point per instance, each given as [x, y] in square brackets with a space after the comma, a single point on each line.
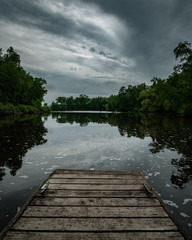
[16, 85]
[10, 108]
[174, 94]
[83, 103]
[127, 100]
[186, 109]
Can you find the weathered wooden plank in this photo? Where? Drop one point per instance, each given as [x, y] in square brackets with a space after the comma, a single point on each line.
[97, 172]
[48, 201]
[96, 181]
[93, 236]
[80, 193]
[95, 224]
[95, 187]
[93, 175]
[39, 211]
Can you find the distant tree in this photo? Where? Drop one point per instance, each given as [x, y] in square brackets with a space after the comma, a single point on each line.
[12, 56]
[184, 53]
[1, 55]
[122, 90]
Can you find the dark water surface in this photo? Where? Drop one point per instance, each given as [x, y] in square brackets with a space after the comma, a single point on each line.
[31, 147]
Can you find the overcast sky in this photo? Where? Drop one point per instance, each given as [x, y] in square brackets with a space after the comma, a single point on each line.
[94, 47]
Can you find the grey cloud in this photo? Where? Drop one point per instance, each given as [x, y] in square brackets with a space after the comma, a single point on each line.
[67, 84]
[108, 55]
[31, 15]
[104, 77]
[73, 69]
[102, 53]
[89, 86]
[92, 49]
[157, 27]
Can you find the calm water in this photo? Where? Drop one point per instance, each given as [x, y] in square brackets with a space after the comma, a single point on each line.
[33, 146]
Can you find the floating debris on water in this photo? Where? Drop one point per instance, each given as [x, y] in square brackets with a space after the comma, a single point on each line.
[184, 215]
[160, 157]
[156, 173]
[24, 176]
[170, 203]
[187, 200]
[18, 209]
[43, 163]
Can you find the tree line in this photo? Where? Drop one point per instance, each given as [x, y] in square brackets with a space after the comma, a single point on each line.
[170, 95]
[18, 89]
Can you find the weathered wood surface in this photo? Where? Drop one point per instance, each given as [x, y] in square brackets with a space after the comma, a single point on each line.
[82, 211]
[95, 193]
[94, 224]
[94, 181]
[95, 187]
[59, 201]
[93, 176]
[20, 235]
[97, 172]
[82, 205]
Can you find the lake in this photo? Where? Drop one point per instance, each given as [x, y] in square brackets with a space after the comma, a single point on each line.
[32, 146]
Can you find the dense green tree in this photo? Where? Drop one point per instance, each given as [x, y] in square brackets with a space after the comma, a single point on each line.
[16, 85]
[173, 94]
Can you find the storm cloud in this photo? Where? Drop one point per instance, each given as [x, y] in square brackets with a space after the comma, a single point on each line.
[94, 46]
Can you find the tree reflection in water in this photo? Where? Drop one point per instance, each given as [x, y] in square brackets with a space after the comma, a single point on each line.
[166, 133]
[20, 134]
[175, 135]
[17, 136]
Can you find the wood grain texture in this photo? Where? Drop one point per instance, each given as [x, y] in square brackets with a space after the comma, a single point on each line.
[95, 224]
[95, 193]
[96, 172]
[95, 187]
[37, 211]
[60, 201]
[94, 175]
[93, 236]
[93, 181]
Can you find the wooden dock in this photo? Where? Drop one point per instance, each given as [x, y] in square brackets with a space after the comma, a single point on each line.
[90, 205]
